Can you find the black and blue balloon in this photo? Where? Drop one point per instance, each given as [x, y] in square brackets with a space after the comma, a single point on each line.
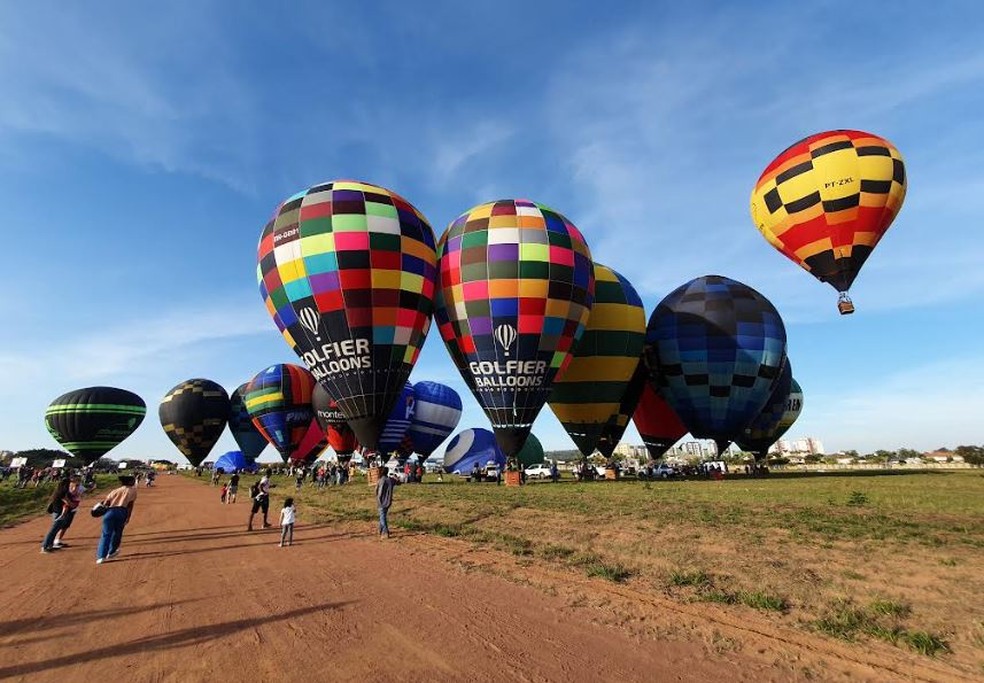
[436, 414]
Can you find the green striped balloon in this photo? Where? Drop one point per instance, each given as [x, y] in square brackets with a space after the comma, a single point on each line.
[90, 422]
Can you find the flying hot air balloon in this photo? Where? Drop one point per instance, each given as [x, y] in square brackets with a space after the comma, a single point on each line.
[591, 389]
[826, 201]
[341, 438]
[194, 414]
[279, 401]
[436, 414]
[90, 422]
[349, 271]
[656, 422]
[251, 442]
[715, 348]
[516, 285]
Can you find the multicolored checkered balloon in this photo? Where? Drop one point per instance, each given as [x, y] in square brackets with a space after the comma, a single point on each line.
[516, 288]
[279, 401]
[827, 200]
[763, 431]
[716, 347]
[348, 270]
[590, 391]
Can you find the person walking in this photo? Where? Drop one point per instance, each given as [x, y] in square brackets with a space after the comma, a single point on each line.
[58, 506]
[74, 499]
[384, 499]
[119, 509]
[261, 500]
[287, 516]
[233, 488]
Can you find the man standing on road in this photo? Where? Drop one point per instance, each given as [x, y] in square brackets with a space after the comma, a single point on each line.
[384, 498]
[261, 501]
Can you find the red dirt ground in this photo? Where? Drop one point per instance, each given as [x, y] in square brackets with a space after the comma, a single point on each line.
[195, 597]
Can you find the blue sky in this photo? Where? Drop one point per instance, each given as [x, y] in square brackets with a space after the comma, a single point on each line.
[143, 146]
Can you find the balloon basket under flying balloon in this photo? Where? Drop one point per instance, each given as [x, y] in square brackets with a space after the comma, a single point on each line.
[844, 304]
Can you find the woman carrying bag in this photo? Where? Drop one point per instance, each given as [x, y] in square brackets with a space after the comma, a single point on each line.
[119, 506]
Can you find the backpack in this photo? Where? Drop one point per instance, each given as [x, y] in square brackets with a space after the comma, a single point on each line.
[254, 489]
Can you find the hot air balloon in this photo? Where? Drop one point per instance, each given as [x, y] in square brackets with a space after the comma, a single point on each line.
[515, 290]
[235, 461]
[193, 415]
[341, 438]
[436, 414]
[251, 442]
[349, 272]
[715, 348]
[311, 445]
[532, 452]
[826, 201]
[90, 422]
[395, 430]
[658, 425]
[759, 436]
[472, 447]
[794, 406]
[279, 401]
[590, 390]
[614, 428]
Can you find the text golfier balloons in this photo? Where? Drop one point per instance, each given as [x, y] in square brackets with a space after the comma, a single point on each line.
[279, 401]
[515, 290]
[716, 347]
[251, 442]
[395, 430]
[349, 271]
[90, 422]
[759, 436]
[472, 447]
[341, 438]
[436, 414]
[658, 425]
[827, 200]
[588, 394]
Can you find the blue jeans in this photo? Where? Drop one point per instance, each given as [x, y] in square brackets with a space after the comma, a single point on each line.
[112, 533]
[56, 526]
[383, 528]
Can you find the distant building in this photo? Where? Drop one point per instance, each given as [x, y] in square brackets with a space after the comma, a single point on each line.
[809, 445]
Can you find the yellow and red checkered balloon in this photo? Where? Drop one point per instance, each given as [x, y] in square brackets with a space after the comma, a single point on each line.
[827, 200]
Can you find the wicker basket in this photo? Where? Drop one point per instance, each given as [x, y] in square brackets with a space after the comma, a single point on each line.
[373, 475]
[514, 478]
[611, 473]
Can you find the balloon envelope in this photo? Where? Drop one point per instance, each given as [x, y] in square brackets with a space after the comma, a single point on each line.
[235, 461]
[590, 391]
[279, 401]
[90, 422]
[827, 200]
[759, 436]
[349, 270]
[471, 447]
[658, 425]
[614, 429]
[251, 443]
[436, 414]
[341, 438]
[194, 414]
[395, 429]
[532, 452]
[515, 289]
[715, 348]
[311, 445]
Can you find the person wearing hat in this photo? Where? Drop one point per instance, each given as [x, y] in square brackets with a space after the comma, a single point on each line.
[119, 507]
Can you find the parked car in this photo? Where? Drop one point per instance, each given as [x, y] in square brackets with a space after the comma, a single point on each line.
[491, 470]
[539, 471]
[661, 471]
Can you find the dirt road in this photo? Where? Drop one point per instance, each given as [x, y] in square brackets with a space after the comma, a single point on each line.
[195, 597]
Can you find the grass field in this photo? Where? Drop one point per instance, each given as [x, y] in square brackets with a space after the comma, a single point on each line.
[892, 556]
[17, 504]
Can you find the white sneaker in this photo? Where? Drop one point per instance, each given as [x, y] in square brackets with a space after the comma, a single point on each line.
[100, 560]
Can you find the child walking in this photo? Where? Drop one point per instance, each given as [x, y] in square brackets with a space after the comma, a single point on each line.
[287, 516]
[225, 491]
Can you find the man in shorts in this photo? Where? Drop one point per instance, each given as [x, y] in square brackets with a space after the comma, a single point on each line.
[233, 488]
[261, 500]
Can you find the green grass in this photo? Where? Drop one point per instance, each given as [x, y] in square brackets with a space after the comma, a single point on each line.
[882, 620]
[615, 573]
[689, 578]
[20, 504]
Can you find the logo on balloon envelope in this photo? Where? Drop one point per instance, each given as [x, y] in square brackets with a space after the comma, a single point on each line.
[336, 357]
[512, 374]
[505, 335]
[310, 319]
